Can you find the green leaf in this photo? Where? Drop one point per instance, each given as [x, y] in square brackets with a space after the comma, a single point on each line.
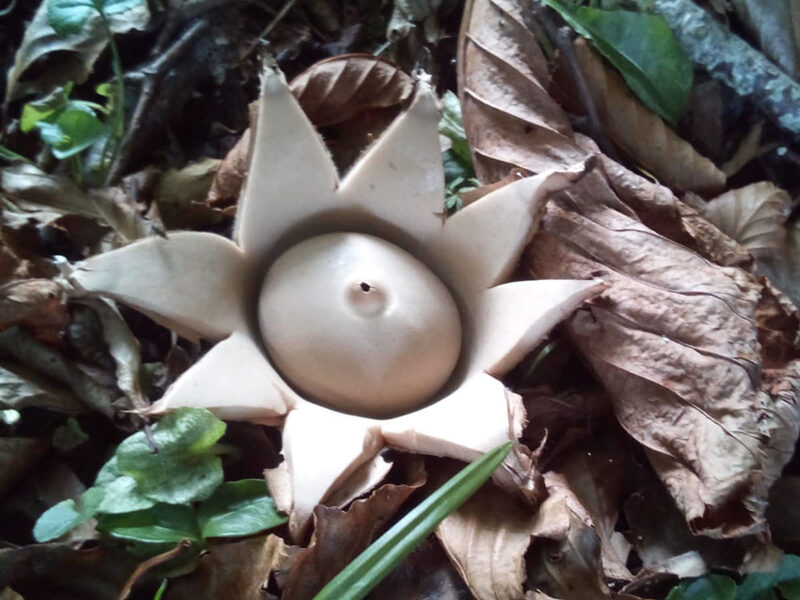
[239, 508]
[159, 524]
[709, 587]
[44, 108]
[71, 129]
[69, 435]
[11, 156]
[759, 586]
[642, 47]
[185, 467]
[372, 565]
[122, 496]
[59, 519]
[451, 126]
[161, 589]
[69, 16]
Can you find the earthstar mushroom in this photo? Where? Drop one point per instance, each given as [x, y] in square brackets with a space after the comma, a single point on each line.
[350, 311]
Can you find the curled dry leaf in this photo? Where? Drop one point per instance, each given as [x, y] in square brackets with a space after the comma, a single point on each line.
[338, 89]
[658, 208]
[39, 305]
[341, 535]
[21, 388]
[675, 341]
[640, 133]
[565, 559]
[232, 570]
[357, 94]
[111, 206]
[753, 215]
[71, 56]
[509, 117]
[487, 539]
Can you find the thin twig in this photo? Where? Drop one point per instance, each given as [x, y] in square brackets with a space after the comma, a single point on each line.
[149, 564]
[562, 37]
[150, 75]
[270, 26]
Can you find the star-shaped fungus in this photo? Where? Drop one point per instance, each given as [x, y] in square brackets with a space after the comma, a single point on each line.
[349, 310]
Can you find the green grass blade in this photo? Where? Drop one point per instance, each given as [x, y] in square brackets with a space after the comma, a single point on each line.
[372, 565]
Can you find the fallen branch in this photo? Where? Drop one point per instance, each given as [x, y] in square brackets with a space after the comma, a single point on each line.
[735, 63]
[149, 76]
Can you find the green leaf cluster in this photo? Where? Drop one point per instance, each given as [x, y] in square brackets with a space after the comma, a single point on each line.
[459, 173]
[67, 126]
[150, 497]
[642, 47]
[784, 583]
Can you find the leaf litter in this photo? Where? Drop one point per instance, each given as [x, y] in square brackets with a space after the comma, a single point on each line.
[661, 459]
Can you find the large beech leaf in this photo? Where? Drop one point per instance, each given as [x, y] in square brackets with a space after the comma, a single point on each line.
[239, 508]
[372, 565]
[642, 47]
[676, 342]
[184, 468]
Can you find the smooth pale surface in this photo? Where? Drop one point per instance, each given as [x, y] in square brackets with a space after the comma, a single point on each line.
[192, 282]
[234, 368]
[359, 324]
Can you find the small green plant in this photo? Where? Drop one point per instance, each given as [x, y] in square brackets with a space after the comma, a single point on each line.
[372, 565]
[69, 17]
[175, 493]
[69, 126]
[782, 584]
[459, 173]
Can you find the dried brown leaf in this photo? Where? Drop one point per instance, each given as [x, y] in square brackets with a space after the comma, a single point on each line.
[641, 134]
[658, 208]
[565, 559]
[598, 472]
[21, 388]
[180, 195]
[39, 305]
[237, 570]
[339, 536]
[60, 571]
[353, 96]
[425, 573]
[17, 456]
[111, 206]
[487, 539]
[675, 342]
[509, 116]
[338, 89]
[753, 215]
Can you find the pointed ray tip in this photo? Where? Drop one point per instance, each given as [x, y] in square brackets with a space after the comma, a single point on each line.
[272, 78]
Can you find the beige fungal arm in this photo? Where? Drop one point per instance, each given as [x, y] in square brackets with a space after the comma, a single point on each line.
[192, 282]
[471, 420]
[400, 178]
[512, 318]
[322, 449]
[291, 173]
[233, 369]
[483, 241]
